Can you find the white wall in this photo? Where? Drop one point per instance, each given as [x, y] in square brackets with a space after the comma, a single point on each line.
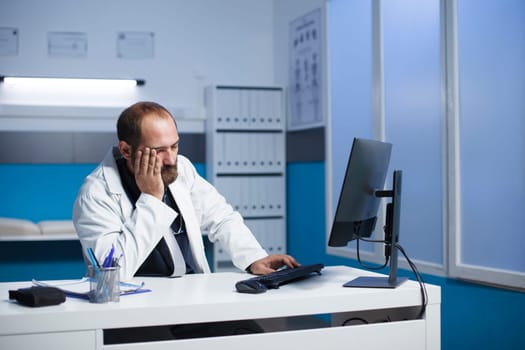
[197, 43]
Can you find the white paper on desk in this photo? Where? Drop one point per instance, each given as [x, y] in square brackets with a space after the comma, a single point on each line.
[80, 288]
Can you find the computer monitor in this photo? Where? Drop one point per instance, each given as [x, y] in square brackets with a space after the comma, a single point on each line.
[361, 194]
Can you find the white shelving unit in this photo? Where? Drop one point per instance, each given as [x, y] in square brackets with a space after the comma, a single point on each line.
[246, 160]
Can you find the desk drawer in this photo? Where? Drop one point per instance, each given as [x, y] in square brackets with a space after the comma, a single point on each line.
[84, 340]
[407, 335]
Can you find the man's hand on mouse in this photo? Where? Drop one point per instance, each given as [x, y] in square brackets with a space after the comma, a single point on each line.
[271, 263]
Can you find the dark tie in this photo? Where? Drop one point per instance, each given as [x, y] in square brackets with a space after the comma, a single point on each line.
[179, 229]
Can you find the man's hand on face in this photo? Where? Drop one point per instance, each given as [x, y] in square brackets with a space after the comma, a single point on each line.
[147, 172]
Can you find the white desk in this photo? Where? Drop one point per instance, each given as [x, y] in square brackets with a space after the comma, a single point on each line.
[78, 324]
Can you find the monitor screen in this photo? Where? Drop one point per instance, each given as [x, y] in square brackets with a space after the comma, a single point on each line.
[358, 204]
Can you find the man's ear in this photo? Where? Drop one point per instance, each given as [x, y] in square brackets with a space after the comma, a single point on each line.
[125, 149]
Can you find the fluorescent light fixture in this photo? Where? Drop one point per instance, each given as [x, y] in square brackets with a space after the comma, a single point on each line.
[71, 82]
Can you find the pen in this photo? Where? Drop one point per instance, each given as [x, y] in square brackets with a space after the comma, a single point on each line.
[118, 259]
[108, 262]
[93, 260]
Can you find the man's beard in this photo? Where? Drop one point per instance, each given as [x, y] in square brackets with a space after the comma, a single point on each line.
[169, 173]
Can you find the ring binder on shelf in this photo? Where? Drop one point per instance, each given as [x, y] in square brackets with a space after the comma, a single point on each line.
[245, 157]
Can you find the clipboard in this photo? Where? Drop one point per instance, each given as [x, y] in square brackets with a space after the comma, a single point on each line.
[80, 288]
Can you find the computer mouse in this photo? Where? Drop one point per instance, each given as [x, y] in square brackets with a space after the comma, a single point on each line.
[250, 286]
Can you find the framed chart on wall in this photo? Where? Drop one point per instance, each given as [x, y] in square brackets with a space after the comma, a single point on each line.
[305, 90]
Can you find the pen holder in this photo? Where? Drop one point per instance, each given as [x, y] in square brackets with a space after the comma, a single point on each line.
[104, 285]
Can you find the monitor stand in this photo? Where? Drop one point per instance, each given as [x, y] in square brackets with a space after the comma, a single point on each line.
[391, 236]
[374, 282]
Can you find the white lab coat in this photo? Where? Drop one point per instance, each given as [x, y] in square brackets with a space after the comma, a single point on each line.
[104, 216]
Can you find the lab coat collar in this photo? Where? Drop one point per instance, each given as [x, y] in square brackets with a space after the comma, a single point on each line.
[110, 171]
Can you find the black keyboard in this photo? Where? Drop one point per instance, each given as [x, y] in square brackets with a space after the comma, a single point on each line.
[278, 278]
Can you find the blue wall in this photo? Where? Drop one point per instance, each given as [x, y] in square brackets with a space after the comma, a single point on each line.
[43, 192]
[40, 192]
[473, 316]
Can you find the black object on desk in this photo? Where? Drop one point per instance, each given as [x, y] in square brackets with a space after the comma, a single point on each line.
[38, 296]
[260, 284]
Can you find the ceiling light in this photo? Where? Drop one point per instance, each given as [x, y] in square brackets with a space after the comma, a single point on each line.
[71, 82]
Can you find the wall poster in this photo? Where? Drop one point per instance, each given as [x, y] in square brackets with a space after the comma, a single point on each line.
[67, 44]
[305, 69]
[8, 41]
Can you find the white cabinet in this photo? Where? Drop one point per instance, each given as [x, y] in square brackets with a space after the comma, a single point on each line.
[246, 160]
